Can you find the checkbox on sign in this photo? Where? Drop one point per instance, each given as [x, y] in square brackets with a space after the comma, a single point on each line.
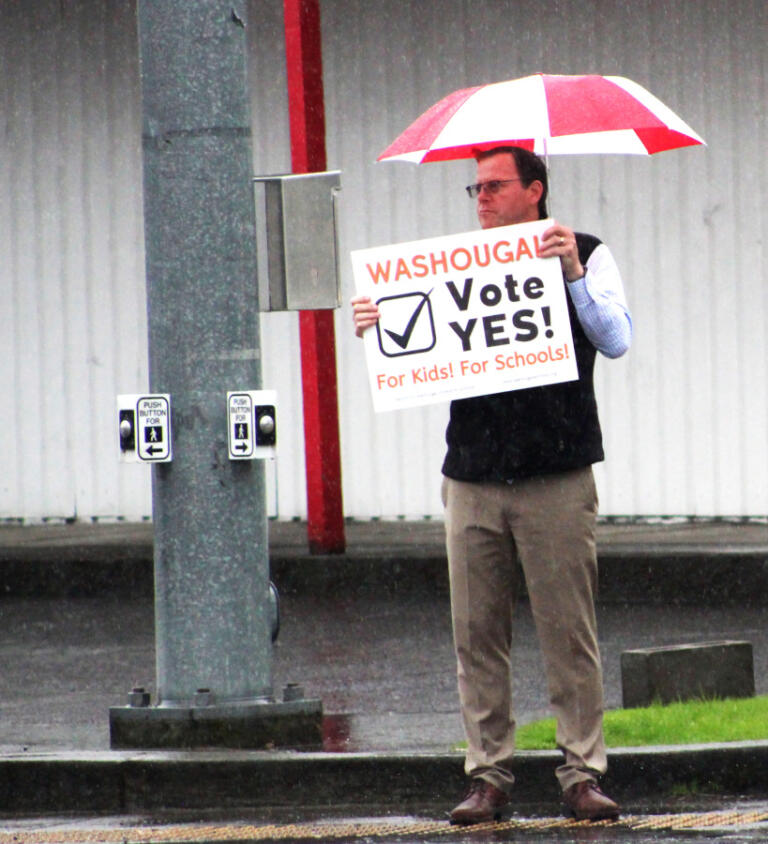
[406, 325]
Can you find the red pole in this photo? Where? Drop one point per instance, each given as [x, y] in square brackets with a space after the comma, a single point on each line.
[303, 56]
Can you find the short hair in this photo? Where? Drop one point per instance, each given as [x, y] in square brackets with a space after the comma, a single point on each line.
[529, 167]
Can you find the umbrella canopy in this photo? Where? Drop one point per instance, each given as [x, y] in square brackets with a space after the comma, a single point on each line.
[549, 115]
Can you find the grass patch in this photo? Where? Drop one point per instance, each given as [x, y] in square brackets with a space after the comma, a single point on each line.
[689, 722]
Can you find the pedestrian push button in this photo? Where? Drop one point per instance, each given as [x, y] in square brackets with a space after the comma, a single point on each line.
[144, 428]
[252, 424]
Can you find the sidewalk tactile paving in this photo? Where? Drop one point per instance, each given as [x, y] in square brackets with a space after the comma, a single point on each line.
[336, 830]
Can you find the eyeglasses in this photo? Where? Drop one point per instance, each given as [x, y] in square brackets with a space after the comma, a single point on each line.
[492, 186]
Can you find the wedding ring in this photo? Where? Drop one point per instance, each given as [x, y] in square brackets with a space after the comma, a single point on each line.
[562, 241]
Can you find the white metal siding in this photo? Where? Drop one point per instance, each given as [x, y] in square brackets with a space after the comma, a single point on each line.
[684, 414]
[72, 312]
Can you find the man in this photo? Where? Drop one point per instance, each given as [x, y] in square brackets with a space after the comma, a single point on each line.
[518, 483]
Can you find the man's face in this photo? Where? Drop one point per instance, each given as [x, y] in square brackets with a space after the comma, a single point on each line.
[513, 203]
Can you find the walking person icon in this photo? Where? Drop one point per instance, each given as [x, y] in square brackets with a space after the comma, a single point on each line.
[153, 434]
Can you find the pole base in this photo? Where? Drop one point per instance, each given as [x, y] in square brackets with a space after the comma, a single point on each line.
[259, 726]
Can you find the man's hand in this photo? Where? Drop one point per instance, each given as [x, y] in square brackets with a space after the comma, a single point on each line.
[560, 240]
[364, 313]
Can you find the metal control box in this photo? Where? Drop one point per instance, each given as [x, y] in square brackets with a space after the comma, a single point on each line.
[297, 244]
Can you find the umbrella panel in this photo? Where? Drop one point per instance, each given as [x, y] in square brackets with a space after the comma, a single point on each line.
[554, 115]
[593, 104]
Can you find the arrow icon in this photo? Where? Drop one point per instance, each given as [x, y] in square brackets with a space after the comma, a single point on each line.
[152, 450]
[242, 447]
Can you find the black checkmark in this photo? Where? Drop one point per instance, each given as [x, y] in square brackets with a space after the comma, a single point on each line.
[402, 339]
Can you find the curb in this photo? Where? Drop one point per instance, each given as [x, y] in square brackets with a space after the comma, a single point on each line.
[637, 575]
[126, 782]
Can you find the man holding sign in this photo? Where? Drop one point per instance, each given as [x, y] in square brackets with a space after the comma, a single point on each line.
[518, 484]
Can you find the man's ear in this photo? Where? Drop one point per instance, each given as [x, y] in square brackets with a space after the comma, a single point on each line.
[537, 189]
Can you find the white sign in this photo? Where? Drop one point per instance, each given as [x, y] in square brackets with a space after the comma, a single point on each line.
[252, 424]
[464, 315]
[241, 436]
[153, 429]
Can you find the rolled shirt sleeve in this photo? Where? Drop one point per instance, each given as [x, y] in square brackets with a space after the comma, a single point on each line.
[601, 304]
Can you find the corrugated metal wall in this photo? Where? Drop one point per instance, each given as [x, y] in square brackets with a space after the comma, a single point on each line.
[685, 413]
[72, 312]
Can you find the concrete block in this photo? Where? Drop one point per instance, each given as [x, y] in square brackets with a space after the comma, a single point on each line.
[684, 672]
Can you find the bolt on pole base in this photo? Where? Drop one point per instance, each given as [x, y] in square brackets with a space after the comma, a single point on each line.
[288, 724]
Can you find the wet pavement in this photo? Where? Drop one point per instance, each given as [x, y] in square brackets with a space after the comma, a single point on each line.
[369, 635]
[382, 665]
[744, 822]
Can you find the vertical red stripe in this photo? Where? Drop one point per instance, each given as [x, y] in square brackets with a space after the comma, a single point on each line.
[303, 53]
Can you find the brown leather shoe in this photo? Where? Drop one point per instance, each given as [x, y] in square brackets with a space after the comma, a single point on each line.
[483, 803]
[587, 802]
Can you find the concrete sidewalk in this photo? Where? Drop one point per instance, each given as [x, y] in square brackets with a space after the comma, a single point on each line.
[368, 633]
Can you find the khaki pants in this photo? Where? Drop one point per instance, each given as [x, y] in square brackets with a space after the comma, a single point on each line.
[548, 522]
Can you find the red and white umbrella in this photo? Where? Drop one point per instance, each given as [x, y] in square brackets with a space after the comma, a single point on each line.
[550, 115]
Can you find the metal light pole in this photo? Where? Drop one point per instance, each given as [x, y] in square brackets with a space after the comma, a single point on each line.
[212, 608]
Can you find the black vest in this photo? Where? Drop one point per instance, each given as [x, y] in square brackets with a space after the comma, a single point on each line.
[536, 431]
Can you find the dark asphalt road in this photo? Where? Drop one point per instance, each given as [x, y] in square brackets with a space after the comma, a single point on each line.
[383, 666]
